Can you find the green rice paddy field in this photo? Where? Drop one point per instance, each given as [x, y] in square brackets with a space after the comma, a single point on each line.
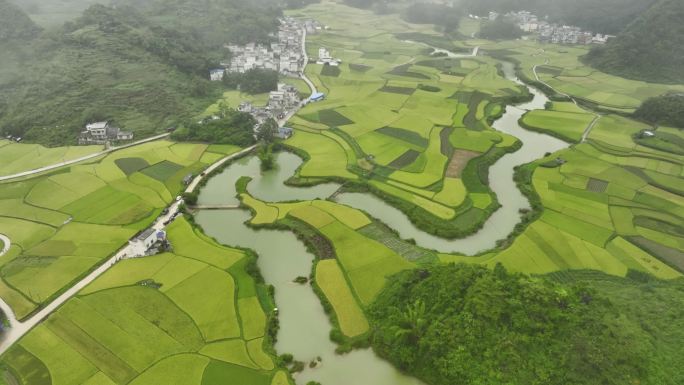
[141, 323]
[561, 68]
[65, 222]
[394, 113]
[19, 157]
[406, 124]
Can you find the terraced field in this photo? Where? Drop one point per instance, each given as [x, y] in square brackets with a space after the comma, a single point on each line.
[413, 129]
[564, 120]
[560, 67]
[141, 323]
[398, 115]
[64, 223]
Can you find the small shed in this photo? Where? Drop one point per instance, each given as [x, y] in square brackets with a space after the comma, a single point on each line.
[316, 97]
[284, 132]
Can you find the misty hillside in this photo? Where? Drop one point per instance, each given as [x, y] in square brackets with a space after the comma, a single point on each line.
[649, 49]
[110, 63]
[604, 16]
[14, 23]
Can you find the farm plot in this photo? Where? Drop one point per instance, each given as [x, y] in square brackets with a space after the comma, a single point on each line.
[567, 125]
[330, 279]
[67, 221]
[589, 220]
[391, 104]
[141, 323]
[20, 157]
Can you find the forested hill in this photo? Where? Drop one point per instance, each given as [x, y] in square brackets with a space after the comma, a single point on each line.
[649, 49]
[213, 21]
[145, 73]
[468, 324]
[14, 23]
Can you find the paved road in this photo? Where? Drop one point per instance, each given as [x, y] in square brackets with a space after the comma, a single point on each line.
[308, 81]
[18, 329]
[81, 159]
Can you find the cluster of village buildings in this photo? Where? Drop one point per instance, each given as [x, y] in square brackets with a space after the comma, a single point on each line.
[102, 133]
[284, 55]
[550, 32]
[280, 102]
[287, 56]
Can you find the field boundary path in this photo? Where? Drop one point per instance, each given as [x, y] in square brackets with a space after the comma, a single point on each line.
[591, 125]
[81, 159]
[18, 328]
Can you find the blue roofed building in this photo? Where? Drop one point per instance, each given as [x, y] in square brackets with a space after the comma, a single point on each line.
[316, 97]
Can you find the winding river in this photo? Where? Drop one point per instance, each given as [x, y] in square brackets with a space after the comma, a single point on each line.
[282, 257]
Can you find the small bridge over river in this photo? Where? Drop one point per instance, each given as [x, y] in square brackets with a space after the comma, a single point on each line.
[214, 207]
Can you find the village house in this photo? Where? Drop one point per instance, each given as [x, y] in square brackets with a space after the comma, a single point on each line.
[216, 74]
[285, 56]
[101, 133]
[324, 57]
[284, 133]
[245, 107]
[143, 243]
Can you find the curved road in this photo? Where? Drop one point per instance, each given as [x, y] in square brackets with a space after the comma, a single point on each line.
[18, 328]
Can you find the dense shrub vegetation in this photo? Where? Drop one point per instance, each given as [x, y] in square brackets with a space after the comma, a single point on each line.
[233, 128]
[462, 324]
[649, 49]
[254, 81]
[500, 29]
[14, 23]
[666, 110]
[146, 67]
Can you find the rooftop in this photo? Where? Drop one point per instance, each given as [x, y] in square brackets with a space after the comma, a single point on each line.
[96, 125]
[144, 235]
